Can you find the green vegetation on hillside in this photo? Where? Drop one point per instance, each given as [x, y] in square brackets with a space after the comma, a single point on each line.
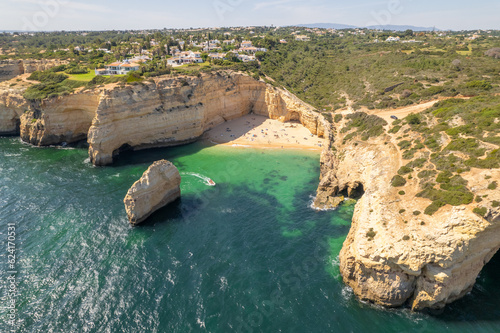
[461, 134]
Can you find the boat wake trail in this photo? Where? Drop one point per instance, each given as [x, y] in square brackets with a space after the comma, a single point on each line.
[206, 180]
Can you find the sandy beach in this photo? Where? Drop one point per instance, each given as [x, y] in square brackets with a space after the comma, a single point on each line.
[258, 131]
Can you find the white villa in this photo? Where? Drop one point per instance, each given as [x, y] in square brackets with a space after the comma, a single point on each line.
[302, 38]
[252, 49]
[183, 58]
[392, 39]
[219, 56]
[246, 58]
[117, 68]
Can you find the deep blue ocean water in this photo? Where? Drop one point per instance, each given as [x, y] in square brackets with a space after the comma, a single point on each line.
[248, 255]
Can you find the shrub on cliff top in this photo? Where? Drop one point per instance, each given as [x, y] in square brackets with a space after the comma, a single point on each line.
[481, 211]
[371, 234]
[492, 161]
[398, 181]
[366, 125]
[482, 85]
[414, 119]
[452, 197]
[49, 90]
[468, 146]
[404, 144]
[404, 170]
[134, 77]
[426, 174]
[47, 77]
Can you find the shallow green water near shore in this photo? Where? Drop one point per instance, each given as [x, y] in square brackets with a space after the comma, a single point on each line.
[248, 255]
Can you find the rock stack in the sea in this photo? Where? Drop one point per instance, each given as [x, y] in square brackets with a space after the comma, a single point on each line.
[158, 186]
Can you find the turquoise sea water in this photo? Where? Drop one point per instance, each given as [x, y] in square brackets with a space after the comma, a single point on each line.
[248, 255]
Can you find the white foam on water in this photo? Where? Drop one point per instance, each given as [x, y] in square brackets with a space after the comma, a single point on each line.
[311, 205]
[205, 179]
[170, 277]
[223, 283]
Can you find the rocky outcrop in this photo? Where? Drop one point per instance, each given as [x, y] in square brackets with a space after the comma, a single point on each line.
[158, 186]
[12, 106]
[12, 68]
[162, 112]
[32, 65]
[323, 201]
[173, 111]
[394, 254]
[68, 119]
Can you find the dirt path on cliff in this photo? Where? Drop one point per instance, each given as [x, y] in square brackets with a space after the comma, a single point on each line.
[402, 112]
[406, 110]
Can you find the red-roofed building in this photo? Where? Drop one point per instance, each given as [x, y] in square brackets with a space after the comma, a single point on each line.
[117, 68]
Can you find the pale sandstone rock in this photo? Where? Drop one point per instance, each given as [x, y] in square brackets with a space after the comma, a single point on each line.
[69, 119]
[173, 111]
[12, 68]
[325, 201]
[162, 112]
[12, 106]
[428, 261]
[158, 186]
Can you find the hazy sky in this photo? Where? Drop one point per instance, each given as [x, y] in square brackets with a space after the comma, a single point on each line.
[135, 14]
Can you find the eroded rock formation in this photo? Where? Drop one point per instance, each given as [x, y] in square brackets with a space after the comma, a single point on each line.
[62, 119]
[12, 106]
[12, 68]
[158, 113]
[394, 254]
[158, 186]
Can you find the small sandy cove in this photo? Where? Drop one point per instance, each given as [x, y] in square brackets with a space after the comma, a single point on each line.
[261, 132]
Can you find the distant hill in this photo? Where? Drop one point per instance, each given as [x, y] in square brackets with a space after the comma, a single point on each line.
[402, 28]
[381, 27]
[326, 26]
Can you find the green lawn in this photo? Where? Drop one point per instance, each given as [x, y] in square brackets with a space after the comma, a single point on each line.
[466, 53]
[82, 77]
[87, 77]
[194, 66]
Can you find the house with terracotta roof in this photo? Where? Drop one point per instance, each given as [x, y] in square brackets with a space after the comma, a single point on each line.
[218, 56]
[182, 58]
[246, 43]
[117, 68]
[302, 38]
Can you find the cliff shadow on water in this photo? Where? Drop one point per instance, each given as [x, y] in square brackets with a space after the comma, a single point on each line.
[128, 156]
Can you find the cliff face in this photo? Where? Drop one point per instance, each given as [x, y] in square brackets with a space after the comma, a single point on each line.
[158, 113]
[12, 68]
[174, 111]
[394, 254]
[158, 186]
[68, 119]
[12, 106]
